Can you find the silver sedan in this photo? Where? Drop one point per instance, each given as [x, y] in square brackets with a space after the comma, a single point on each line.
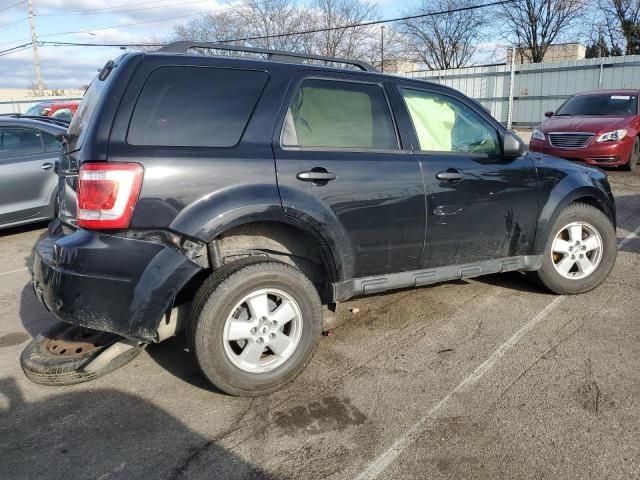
[28, 184]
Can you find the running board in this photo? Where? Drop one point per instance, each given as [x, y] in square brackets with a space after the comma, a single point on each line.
[417, 278]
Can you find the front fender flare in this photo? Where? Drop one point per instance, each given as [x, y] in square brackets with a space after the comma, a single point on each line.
[566, 191]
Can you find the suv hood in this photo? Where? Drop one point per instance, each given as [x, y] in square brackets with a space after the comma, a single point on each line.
[584, 123]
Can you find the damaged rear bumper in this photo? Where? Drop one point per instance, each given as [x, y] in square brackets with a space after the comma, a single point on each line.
[109, 283]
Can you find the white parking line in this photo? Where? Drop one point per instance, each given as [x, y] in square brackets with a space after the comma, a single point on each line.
[629, 237]
[380, 463]
[13, 271]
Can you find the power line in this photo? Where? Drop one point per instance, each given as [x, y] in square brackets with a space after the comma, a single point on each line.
[14, 5]
[103, 11]
[368, 24]
[264, 37]
[9, 25]
[107, 28]
[15, 49]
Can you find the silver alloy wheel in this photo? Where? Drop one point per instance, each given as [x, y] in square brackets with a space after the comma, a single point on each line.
[263, 330]
[576, 250]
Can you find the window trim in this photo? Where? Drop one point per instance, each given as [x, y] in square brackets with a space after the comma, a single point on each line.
[199, 147]
[23, 127]
[492, 125]
[293, 90]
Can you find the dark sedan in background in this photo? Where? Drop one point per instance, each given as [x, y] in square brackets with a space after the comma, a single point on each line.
[28, 184]
[600, 128]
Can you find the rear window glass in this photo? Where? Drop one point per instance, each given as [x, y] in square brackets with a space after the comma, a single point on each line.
[195, 106]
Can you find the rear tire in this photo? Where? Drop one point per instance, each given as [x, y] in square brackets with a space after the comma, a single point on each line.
[580, 252]
[634, 158]
[254, 326]
[42, 364]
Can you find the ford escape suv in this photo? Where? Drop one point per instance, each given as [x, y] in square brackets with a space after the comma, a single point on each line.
[256, 190]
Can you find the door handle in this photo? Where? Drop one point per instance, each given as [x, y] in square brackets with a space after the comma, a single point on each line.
[449, 176]
[47, 166]
[316, 176]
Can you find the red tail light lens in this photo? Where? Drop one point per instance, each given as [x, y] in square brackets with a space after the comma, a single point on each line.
[107, 194]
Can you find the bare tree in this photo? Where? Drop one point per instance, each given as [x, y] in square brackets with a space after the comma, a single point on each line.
[273, 20]
[446, 40]
[343, 42]
[277, 21]
[622, 22]
[534, 25]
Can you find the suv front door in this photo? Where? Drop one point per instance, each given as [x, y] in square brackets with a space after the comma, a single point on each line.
[339, 158]
[480, 206]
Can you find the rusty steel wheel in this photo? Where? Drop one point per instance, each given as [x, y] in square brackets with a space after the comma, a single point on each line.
[64, 354]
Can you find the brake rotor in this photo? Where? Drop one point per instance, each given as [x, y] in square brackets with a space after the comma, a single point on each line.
[75, 341]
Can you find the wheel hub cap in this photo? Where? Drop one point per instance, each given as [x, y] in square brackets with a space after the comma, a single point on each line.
[576, 250]
[263, 330]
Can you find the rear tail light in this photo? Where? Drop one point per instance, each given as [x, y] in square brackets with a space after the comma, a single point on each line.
[107, 194]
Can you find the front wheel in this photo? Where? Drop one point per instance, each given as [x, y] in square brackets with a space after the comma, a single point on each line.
[254, 326]
[580, 252]
[634, 158]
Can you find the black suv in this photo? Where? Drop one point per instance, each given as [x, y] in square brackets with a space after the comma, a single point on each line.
[257, 190]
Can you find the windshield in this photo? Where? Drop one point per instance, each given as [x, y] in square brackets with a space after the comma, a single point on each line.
[35, 110]
[600, 105]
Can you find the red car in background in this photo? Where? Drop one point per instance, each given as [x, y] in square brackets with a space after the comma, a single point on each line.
[61, 110]
[600, 128]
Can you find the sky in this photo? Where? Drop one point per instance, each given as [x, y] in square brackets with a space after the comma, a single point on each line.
[87, 21]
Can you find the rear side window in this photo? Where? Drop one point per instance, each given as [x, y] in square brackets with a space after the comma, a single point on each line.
[18, 142]
[339, 115]
[195, 107]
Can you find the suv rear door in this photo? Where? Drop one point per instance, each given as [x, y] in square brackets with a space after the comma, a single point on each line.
[481, 206]
[339, 158]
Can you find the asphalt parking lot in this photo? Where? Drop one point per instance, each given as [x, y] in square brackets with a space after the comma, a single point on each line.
[487, 378]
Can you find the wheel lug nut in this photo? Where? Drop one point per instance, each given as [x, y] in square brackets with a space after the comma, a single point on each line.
[254, 330]
[274, 324]
[272, 336]
[260, 340]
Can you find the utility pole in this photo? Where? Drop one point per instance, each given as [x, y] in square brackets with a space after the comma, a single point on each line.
[36, 56]
[382, 48]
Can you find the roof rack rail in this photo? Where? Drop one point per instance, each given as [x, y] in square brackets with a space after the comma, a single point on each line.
[41, 118]
[278, 55]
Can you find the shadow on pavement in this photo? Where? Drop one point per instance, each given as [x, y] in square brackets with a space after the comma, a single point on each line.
[104, 434]
[628, 223]
[173, 356]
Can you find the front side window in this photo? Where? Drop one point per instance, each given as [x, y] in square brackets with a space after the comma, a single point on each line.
[444, 124]
[339, 115]
[18, 142]
[195, 107]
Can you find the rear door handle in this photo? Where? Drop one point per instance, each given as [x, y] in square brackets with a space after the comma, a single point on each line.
[313, 176]
[47, 166]
[449, 176]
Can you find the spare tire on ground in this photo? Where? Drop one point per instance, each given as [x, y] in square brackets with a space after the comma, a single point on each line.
[67, 354]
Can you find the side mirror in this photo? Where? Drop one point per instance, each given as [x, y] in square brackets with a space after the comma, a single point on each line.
[512, 146]
[548, 114]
